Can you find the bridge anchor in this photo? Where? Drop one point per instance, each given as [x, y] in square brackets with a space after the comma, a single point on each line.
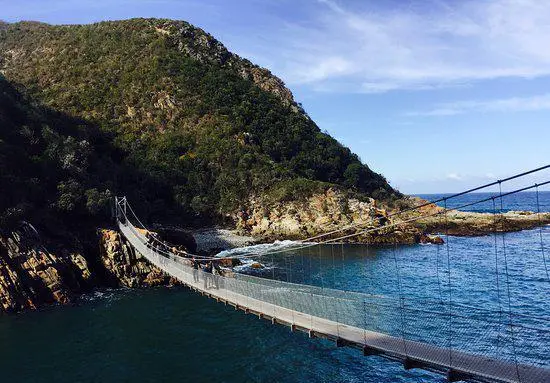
[457, 376]
[340, 342]
[409, 364]
[369, 351]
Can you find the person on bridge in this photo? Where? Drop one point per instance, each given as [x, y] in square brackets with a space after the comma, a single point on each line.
[207, 274]
[195, 265]
[219, 272]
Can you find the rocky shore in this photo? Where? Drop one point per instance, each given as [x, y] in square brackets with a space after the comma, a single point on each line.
[31, 275]
[35, 271]
[383, 224]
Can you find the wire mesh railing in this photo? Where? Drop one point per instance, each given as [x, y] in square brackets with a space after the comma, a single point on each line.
[486, 340]
[425, 325]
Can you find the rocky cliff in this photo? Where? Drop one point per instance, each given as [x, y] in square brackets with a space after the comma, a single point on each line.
[332, 210]
[36, 272]
[31, 275]
[125, 266]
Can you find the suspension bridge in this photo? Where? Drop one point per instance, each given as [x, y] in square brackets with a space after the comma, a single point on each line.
[463, 342]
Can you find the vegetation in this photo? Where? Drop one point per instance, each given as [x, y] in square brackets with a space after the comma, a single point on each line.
[157, 110]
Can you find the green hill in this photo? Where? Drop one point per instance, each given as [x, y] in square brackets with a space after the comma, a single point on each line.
[157, 110]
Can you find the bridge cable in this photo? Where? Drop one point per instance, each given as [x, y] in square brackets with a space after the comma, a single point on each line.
[508, 284]
[364, 231]
[401, 298]
[540, 235]
[334, 281]
[273, 277]
[497, 279]
[365, 272]
[414, 219]
[449, 285]
[443, 199]
[437, 271]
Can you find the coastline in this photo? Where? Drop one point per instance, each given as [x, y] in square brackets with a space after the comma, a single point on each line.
[35, 271]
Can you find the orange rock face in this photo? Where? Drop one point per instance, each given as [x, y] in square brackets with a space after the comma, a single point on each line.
[30, 275]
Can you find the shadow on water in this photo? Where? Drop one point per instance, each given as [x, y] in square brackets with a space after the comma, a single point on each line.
[174, 335]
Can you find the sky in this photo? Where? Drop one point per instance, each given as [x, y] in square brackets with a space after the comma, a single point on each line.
[437, 95]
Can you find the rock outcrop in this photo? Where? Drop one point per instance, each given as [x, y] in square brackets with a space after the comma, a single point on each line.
[36, 272]
[472, 224]
[380, 224]
[321, 213]
[31, 275]
[203, 47]
[126, 267]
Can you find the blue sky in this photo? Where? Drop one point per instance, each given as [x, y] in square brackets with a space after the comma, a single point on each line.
[436, 95]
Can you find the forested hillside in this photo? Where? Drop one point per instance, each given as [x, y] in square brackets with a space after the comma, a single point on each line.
[157, 110]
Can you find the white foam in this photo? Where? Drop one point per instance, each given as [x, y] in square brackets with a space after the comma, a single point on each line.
[258, 249]
[245, 254]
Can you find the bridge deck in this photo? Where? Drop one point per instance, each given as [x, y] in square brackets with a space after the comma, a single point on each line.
[456, 364]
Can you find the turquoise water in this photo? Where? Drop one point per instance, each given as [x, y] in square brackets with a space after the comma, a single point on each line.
[172, 334]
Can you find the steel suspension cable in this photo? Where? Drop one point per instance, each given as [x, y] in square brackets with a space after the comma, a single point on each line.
[497, 273]
[540, 235]
[508, 285]
[414, 219]
[443, 199]
[401, 298]
[449, 287]
[437, 271]
[365, 231]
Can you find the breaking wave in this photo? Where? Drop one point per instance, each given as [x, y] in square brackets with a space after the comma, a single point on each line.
[246, 254]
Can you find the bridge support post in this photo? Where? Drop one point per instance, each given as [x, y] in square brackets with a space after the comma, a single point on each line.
[311, 334]
[293, 327]
[456, 376]
[369, 351]
[341, 342]
[409, 364]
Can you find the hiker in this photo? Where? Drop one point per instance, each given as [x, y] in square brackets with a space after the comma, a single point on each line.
[149, 239]
[219, 272]
[195, 265]
[207, 274]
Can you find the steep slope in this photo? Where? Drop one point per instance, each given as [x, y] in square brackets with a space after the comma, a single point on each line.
[49, 163]
[200, 129]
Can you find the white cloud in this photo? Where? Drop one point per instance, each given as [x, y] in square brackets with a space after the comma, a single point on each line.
[424, 45]
[454, 176]
[514, 104]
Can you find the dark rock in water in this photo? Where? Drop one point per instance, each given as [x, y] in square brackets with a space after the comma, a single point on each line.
[230, 262]
[433, 239]
[257, 265]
